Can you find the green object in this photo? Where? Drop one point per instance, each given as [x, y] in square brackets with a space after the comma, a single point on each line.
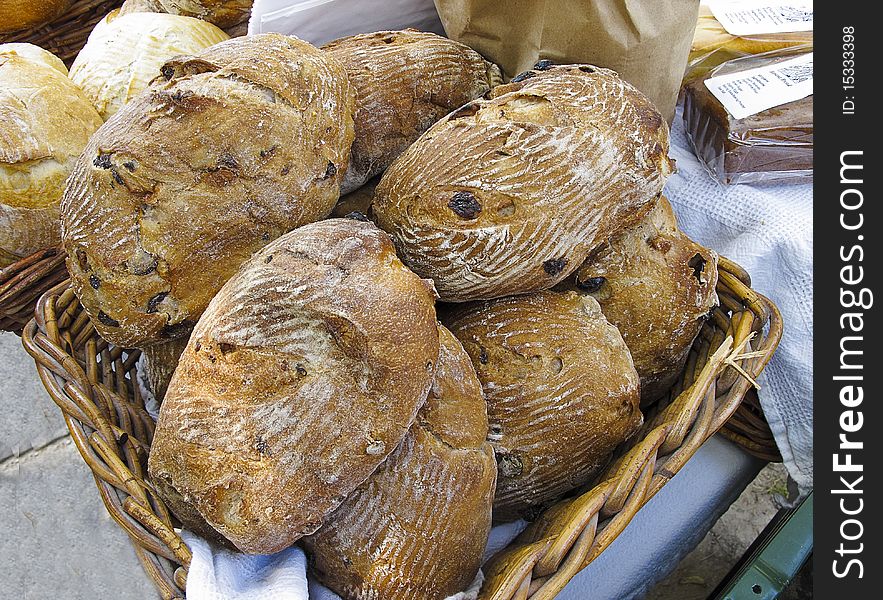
[774, 558]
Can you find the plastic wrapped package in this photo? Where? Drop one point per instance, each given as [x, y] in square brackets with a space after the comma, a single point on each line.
[772, 144]
[712, 45]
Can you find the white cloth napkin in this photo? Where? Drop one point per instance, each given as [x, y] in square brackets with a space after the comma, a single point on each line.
[320, 21]
[767, 229]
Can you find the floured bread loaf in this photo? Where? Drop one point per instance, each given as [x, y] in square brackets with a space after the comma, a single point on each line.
[45, 122]
[656, 286]
[302, 376]
[405, 81]
[561, 389]
[225, 152]
[418, 527]
[509, 195]
[125, 52]
[226, 14]
[159, 363]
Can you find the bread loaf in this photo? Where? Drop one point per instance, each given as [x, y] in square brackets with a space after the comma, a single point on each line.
[509, 195]
[226, 14]
[417, 527]
[124, 53]
[45, 122]
[561, 389]
[16, 15]
[358, 201]
[405, 81]
[656, 286]
[159, 363]
[222, 154]
[302, 376]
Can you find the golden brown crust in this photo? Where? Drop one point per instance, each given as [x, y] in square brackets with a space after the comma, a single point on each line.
[301, 377]
[223, 153]
[418, 527]
[45, 122]
[16, 15]
[561, 389]
[405, 81]
[357, 201]
[509, 195]
[124, 53]
[656, 286]
[223, 13]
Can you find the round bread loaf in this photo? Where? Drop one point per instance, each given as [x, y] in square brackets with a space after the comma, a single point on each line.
[16, 15]
[125, 52]
[417, 528]
[302, 376]
[509, 195]
[561, 389]
[656, 286]
[405, 81]
[45, 122]
[225, 14]
[222, 154]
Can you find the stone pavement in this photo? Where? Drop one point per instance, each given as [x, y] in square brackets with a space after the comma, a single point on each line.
[58, 540]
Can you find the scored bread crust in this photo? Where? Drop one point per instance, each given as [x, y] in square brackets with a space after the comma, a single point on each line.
[657, 289]
[561, 389]
[224, 152]
[302, 376]
[225, 14]
[45, 122]
[405, 81]
[509, 195]
[417, 528]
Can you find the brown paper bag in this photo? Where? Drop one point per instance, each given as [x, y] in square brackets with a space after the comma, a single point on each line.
[645, 41]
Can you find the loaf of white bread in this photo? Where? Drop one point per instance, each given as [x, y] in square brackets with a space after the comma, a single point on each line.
[45, 122]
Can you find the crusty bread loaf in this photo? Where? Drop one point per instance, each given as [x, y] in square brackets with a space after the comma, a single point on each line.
[357, 201]
[45, 122]
[226, 14]
[405, 81]
[302, 376]
[656, 286]
[16, 15]
[509, 195]
[159, 363]
[225, 152]
[417, 528]
[125, 52]
[561, 389]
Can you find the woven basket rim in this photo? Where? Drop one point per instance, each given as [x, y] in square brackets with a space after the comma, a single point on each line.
[24, 281]
[112, 433]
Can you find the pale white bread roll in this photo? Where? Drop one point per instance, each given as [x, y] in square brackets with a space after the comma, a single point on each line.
[302, 376]
[223, 153]
[509, 195]
[45, 122]
[417, 528]
[561, 388]
[125, 52]
[405, 81]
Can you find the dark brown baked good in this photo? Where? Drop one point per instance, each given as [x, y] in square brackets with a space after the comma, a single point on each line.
[561, 389]
[774, 143]
[303, 374]
[418, 527]
[405, 81]
[656, 286]
[223, 153]
[509, 195]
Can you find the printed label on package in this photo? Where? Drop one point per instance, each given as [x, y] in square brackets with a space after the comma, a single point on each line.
[754, 17]
[748, 92]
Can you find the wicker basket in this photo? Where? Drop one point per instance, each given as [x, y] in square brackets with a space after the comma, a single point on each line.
[24, 281]
[92, 383]
[66, 35]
